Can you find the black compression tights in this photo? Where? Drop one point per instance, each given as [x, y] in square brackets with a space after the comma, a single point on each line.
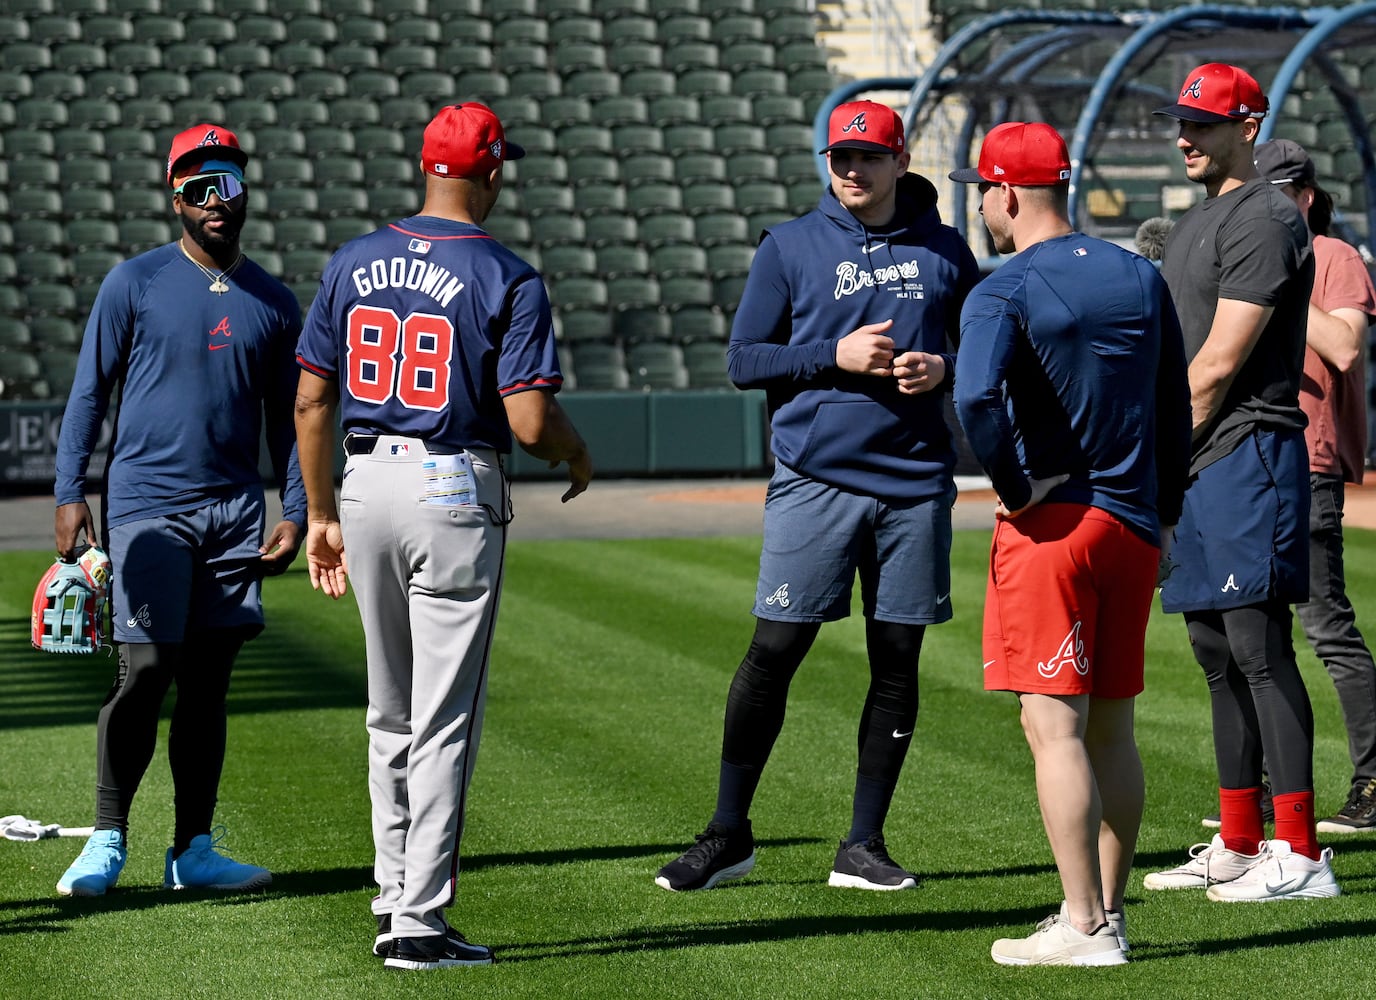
[127, 728]
[1259, 701]
[759, 693]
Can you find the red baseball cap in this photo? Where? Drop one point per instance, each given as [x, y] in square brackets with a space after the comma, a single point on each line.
[1217, 92]
[1023, 154]
[205, 142]
[465, 140]
[866, 125]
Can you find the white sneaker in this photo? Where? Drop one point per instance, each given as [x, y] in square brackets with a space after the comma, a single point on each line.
[1281, 874]
[1209, 863]
[1057, 942]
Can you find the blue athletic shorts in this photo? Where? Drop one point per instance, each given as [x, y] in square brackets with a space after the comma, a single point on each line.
[816, 537]
[188, 571]
[1243, 537]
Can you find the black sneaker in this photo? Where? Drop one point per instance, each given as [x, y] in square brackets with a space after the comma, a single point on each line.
[1358, 816]
[867, 865]
[383, 942]
[434, 952]
[719, 854]
[1268, 808]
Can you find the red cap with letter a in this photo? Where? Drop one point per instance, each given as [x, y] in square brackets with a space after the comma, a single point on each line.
[1217, 92]
[865, 125]
[1023, 154]
[205, 142]
[466, 140]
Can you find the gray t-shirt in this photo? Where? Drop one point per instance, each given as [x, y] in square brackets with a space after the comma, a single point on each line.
[1251, 245]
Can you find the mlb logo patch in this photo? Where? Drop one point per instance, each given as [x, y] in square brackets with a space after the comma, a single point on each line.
[419, 246]
[401, 449]
[1080, 252]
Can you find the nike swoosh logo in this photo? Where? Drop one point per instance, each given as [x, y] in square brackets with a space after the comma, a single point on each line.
[989, 663]
[217, 347]
[1285, 886]
[872, 247]
[944, 598]
[898, 736]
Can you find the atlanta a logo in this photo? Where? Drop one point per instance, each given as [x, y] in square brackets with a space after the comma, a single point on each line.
[856, 124]
[779, 597]
[1195, 89]
[140, 617]
[1070, 653]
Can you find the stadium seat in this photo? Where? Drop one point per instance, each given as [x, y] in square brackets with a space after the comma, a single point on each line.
[293, 232]
[647, 168]
[350, 58]
[624, 109]
[531, 29]
[617, 259]
[708, 198]
[627, 57]
[297, 57]
[628, 29]
[585, 138]
[582, 325]
[734, 28]
[449, 10]
[600, 366]
[654, 365]
[34, 171]
[291, 201]
[272, 31]
[216, 83]
[380, 140]
[140, 234]
[552, 229]
[700, 168]
[84, 172]
[665, 228]
[596, 199]
[505, 10]
[705, 362]
[650, 84]
[577, 57]
[14, 332]
[629, 140]
[485, 84]
[22, 142]
[694, 323]
[674, 109]
[55, 298]
[702, 83]
[632, 325]
[37, 234]
[578, 292]
[388, 170]
[633, 291]
[58, 367]
[686, 290]
[651, 198]
[198, 109]
[672, 259]
[107, 30]
[605, 228]
[726, 292]
[408, 57]
[40, 202]
[57, 85]
[208, 30]
[278, 140]
[89, 204]
[597, 168]
[714, 228]
[761, 83]
[344, 172]
[509, 229]
[689, 138]
[310, 27]
[15, 85]
[596, 83]
[39, 112]
[303, 263]
[25, 57]
[681, 28]
[322, 84]
[578, 29]
[415, 30]
[390, 202]
[343, 228]
[568, 261]
[341, 201]
[362, 31]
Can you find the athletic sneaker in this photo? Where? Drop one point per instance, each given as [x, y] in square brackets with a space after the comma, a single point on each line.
[867, 865]
[1119, 922]
[1209, 863]
[202, 866]
[1268, 808]
[1057, 942]
[420, 954]
[1281, 874]
[1358, 816]
[718, 855]
[97, 867]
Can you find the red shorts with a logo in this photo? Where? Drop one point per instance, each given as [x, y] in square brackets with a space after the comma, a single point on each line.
[1065, 612]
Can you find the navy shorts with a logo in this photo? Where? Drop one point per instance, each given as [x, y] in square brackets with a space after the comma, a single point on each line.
[817, 537]
[188, 571]
[1243, 537]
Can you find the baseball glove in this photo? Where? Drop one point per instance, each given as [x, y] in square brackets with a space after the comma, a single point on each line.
[69, 605]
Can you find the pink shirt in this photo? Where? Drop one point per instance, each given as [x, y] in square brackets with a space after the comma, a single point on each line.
[1336, 403]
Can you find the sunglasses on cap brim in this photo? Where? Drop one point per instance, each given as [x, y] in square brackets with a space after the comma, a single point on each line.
[197, 190]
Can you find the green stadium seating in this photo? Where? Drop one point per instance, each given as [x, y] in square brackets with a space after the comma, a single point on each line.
[607, 227]
[694, 323]
[599, 366]
[575, 325]
[705, 362]
[666, 228]
[655, 365]
[579, 29]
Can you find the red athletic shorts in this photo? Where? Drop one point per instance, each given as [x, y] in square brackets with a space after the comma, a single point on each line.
[1065, 613]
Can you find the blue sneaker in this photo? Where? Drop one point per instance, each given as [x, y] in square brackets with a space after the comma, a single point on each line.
[97, 867]
[201, 866]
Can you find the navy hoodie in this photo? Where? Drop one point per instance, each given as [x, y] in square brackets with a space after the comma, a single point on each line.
[813, 281]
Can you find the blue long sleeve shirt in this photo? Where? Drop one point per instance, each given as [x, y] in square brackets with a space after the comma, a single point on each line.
[818, 278]
[1072, 362]
[199, 375]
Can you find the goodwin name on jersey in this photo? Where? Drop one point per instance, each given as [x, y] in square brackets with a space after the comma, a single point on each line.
[415, 275]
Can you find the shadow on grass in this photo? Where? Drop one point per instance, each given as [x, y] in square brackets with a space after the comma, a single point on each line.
[284, 669]
[607, 852]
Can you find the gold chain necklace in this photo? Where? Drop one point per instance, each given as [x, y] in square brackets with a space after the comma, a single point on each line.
[218, 282]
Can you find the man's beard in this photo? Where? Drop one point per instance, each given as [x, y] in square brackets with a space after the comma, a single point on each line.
[217, 242]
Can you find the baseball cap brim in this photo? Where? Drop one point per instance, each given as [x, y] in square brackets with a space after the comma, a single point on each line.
[866, 147]
[1184, 112]
[513, 150]
[966, 175]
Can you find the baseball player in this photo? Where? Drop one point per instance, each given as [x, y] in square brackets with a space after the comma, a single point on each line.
[844, 322]
[1240, 268]
[1341, 307]
[434, 343]
[199, 339]
[1071, 388]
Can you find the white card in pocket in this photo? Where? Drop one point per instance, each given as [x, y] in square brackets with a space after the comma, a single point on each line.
[447, 481]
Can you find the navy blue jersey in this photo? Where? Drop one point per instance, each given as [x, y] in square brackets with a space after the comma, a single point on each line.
[425, 325]
[813, 281]
[198, 372]
[1072, 362]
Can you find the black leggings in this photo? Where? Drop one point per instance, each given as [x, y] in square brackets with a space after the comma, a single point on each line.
[759, 694]
[1260, 705]
[127, 727]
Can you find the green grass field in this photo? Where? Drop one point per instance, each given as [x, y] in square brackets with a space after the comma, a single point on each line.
[598, 764]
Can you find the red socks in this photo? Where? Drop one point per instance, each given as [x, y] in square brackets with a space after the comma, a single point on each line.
[1295, 822]
[1239, 811]
[1240, 816]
